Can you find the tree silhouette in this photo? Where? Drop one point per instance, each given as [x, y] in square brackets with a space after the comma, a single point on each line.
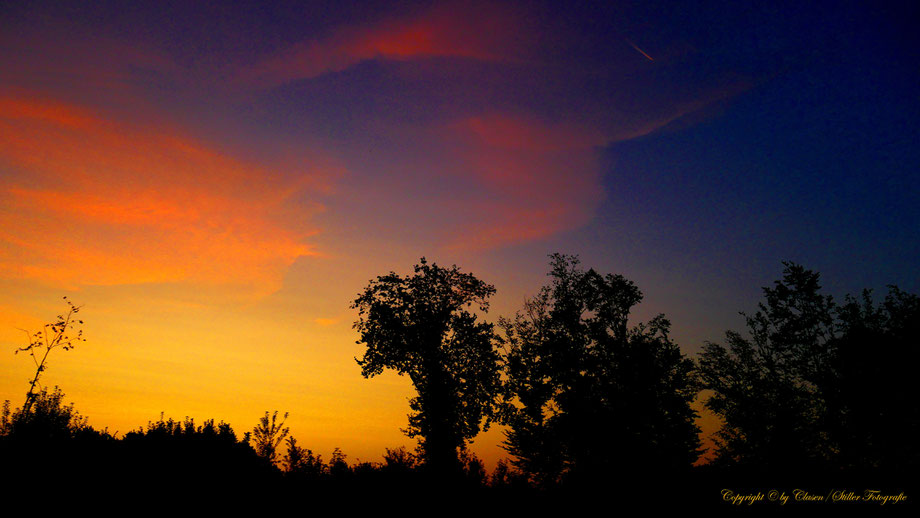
[268, 435]
[301, 462]
[422, 326]
[53, 335]
[587, 397]
[874, 415]
[43, 415]
[399, 460]
[818, 385]
[769, 388]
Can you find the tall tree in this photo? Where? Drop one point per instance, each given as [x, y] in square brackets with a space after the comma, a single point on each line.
[769, 388]
[588, 397]
[423, 326]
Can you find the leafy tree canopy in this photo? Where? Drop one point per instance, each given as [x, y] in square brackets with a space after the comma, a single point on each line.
[766, 387]
[424, 326]
[815, 384]
[874, 414]
[588, 396]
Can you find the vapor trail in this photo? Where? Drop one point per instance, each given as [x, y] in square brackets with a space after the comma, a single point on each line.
[633, 45]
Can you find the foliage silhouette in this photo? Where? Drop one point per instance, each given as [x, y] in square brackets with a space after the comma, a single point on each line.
[506, 476]
[586, 397]
[183, 454]
[421, 325]
[268, 435]
[474, 471]
[170, 429]
[817, 385]
[53, 335]
[814, 387]
[873, 412]
[301, 462]
[398, 459]
[768, 388]
[338, 466]
[48, 418]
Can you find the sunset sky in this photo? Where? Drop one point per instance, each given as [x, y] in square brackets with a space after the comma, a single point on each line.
[215, 184]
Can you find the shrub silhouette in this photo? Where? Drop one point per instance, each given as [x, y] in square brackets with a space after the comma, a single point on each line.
[181, 452]
[47, 418]
[399, 460]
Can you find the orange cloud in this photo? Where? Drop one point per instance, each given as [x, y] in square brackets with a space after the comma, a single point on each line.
[51, 112]
[95, 201]
[488, 33]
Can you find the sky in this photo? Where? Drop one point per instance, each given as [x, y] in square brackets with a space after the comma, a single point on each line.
[215, 182]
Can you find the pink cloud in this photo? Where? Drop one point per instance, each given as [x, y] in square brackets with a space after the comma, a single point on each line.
[487, 32]
[542, 178]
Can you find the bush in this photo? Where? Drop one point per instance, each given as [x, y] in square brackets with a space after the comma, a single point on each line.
[47, 419]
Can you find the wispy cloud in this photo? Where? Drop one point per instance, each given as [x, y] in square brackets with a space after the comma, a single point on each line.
[490, 33]
[92, 200]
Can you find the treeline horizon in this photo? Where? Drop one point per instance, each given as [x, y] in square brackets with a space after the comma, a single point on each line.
[813, 391]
